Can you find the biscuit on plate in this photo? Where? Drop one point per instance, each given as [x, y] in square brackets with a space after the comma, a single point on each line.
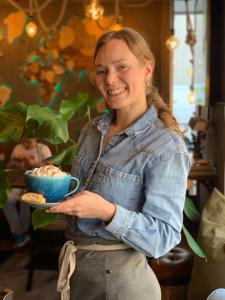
[33, 197]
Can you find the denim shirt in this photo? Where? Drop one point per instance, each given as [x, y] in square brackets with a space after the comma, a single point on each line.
[143, 170]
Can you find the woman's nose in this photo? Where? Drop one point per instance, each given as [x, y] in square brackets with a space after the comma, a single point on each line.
[111, 77]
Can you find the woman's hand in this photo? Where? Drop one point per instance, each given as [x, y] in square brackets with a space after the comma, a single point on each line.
[86, 205]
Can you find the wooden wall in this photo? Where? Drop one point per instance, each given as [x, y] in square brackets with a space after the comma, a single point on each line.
[152, 21]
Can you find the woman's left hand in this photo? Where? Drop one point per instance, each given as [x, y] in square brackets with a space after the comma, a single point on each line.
[86, 205]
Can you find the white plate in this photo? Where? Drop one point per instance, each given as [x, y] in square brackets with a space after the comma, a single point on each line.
[39, 205]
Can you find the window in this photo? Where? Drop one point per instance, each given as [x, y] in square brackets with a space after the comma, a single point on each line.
[182, 69]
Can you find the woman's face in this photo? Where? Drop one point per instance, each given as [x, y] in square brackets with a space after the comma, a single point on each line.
[120, 77]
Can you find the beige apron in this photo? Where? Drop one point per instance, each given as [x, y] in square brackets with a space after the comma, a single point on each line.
[92, 268]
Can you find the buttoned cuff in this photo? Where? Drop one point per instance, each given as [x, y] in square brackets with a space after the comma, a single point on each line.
[119, 222]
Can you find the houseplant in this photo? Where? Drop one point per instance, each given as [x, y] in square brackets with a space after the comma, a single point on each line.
[19, 120]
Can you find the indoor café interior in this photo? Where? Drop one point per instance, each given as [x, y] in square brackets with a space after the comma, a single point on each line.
[112, 145]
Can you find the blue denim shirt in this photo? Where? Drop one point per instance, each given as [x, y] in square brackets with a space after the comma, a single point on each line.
[143, 170]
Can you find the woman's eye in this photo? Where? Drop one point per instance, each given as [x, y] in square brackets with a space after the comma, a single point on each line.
[100, 72]
[122, 67]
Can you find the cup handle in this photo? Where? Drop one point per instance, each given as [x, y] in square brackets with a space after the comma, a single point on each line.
[76, 187]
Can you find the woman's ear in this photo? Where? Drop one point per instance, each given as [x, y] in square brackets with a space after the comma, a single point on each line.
[148, 70]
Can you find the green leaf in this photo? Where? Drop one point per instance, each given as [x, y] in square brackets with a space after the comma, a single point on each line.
[12, 122]
[69, 107]
[40, 218]
[3, 197]
[191, 211]
[193, 244]
[65, 157]
[4, 186]
[51, 126]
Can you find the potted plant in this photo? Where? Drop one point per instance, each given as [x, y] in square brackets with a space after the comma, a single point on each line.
[19, 120]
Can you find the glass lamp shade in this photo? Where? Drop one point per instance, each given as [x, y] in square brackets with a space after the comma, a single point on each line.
[117, 25]
[94, 10]
[191, 97]
[31, 29]
[172, 42]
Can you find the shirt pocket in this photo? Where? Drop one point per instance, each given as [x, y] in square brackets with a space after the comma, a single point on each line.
[80, 168]
[117, 186]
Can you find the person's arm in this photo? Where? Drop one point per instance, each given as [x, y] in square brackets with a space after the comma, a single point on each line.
[156, 229]
[43, 152]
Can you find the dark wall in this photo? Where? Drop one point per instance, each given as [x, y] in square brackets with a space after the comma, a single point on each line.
[216, 134]
[217, 52]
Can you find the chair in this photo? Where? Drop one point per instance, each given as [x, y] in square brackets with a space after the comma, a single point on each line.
[6, 294]
[173, 271]
[46, 243]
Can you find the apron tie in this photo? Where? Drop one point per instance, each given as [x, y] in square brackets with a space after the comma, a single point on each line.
[67, 264]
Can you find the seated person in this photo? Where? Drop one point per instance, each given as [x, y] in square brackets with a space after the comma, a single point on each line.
[26, 155]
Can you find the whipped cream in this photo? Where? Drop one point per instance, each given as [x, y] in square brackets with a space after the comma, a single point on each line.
[48, 170]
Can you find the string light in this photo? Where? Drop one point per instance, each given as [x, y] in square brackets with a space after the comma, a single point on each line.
[172, 42]
[31, 28]
[117, 25]
[191, 41]
[118, 19]
[94, 10]
[191, 96]
[35, 8]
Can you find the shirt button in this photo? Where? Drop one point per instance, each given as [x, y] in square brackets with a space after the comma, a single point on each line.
[108, 271]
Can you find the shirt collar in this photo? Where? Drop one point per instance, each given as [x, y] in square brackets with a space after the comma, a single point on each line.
[138, 126]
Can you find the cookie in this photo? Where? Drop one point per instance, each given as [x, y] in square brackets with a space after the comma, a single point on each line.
[33, 197]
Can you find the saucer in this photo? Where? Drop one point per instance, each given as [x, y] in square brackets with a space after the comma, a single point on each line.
[40, 205]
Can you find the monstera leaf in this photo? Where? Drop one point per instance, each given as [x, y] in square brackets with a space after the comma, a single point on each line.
[69, 107]
[12, 122]
[4, 186]
[65, 157]
[51, 125]
[40, 218]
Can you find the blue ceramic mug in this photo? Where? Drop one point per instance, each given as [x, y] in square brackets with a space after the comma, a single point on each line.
[53, 188]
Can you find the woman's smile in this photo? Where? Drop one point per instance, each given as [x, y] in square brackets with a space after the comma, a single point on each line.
[113, 92]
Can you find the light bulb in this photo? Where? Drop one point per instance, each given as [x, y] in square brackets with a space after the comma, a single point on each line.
[172, 42]
[191, 97]
[31, 29]
[94, 10]
[117, 25]
[190, 72]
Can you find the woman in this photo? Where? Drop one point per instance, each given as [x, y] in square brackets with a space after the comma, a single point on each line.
[133, 168]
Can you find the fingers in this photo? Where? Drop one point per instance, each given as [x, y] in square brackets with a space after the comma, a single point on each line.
[67, 206]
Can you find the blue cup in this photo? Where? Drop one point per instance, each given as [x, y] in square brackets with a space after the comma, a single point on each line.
[53, 188]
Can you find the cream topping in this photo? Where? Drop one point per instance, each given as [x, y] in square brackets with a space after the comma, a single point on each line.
[48, 170]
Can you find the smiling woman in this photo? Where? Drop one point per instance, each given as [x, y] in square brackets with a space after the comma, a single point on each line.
[132, 166]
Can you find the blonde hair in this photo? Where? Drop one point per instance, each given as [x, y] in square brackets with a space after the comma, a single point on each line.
[139, 47]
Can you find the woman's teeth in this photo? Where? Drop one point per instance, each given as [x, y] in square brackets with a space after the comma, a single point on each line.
[114, 92]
